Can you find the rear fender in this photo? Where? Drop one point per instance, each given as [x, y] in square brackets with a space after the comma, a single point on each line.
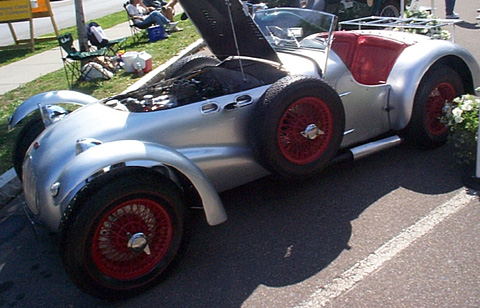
[48, 98]
[414, 63]
[135, 153]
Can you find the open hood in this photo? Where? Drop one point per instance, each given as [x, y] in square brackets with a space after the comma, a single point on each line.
[212, 19]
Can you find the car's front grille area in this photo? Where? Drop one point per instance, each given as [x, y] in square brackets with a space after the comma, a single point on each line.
[29, 186]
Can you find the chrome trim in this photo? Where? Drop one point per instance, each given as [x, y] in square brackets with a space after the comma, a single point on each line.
[210, 108]
[51, 113]
[86, 143]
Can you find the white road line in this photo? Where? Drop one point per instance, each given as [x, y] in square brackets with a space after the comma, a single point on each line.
[346, 281]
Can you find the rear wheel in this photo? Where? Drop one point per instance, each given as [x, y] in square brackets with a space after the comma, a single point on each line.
[124, 234]
[439, 85]
[390, 9]
[298, 127]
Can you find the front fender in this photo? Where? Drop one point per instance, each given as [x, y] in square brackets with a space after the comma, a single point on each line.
[83, 166]
[413, 64]
[48, 98]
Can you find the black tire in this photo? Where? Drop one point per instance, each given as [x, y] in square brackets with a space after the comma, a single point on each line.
[302, 129]
[440, 84]
[189, 64]
[124, 233]
[25, 137]
[390, 8]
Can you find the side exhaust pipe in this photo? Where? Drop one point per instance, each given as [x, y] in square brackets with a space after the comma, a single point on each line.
[368, 149]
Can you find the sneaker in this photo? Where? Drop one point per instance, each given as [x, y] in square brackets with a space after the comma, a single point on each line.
[452, 16]
[172, 27]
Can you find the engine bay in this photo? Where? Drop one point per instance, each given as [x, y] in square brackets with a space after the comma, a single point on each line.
[230, 76]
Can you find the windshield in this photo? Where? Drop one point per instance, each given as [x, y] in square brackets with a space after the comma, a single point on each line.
[295, 28]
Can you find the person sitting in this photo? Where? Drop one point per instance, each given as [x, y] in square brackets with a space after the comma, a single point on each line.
[167, 9]
[143, 18]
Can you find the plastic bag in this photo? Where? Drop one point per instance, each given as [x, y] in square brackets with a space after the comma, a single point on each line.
[94, 71]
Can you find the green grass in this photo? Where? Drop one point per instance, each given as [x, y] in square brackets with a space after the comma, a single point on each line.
[161, 51]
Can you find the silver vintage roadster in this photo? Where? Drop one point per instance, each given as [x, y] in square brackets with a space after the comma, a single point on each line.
[285, 95]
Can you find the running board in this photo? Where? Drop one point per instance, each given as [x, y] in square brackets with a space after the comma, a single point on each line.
[368, 149]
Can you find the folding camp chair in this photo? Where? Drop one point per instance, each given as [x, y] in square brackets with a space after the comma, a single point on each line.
[112, 46]
[137, 32]
[73, 60]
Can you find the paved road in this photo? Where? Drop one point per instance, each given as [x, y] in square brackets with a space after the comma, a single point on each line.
[284, 242]
[397, 229]
[64, 14]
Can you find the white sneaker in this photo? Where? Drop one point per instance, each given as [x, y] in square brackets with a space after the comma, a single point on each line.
[172, 27]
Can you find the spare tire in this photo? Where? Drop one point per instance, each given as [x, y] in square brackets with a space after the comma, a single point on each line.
[190, 64]
[298, 126]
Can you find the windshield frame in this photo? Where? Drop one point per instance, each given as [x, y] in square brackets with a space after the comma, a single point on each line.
[294, 29]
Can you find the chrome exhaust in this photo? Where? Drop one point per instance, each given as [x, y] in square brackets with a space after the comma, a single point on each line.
[374, 147]
[368, 149]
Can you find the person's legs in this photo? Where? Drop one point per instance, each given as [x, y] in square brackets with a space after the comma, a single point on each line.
[449, 6]
[168, 12]
[144, 23]
[158, 18]
[153, 18]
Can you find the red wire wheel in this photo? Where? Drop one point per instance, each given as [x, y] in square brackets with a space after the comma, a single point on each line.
[444, 92]
[298, 126]
[144, 218]
[302, 117]
[439, 85]
[122, 233]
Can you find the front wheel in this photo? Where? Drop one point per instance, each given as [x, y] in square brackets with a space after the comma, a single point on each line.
[30, 131]
[439, 85]
[124, 234]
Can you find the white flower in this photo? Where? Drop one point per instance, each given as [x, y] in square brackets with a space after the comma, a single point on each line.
[457, 112]
[458, 119]
[467, 105]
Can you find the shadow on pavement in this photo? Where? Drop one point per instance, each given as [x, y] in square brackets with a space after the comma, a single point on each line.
[468, 25]
[278, 234]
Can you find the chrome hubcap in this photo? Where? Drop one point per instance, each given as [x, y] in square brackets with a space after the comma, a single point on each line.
[138, 242]
[312, 131]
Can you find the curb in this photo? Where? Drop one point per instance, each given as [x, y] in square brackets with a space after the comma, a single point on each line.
[10, 185]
